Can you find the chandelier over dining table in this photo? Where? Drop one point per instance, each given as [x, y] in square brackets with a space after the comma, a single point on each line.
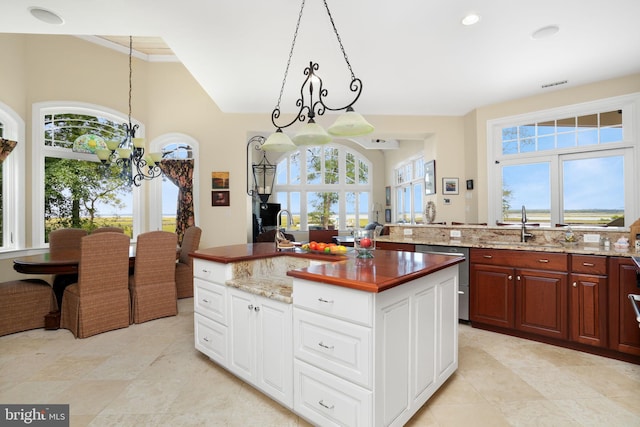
[312, 103]
[129, 154]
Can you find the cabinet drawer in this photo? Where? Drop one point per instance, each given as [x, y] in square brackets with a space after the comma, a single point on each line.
[325, 399]
[209, 299]
[211, 338]
[521, 259]
[333, 345]
[211, 271]
[589, 264]
[343, 303]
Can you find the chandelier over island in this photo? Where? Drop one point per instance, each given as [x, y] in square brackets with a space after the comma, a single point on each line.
[129, 154]
[348, 124]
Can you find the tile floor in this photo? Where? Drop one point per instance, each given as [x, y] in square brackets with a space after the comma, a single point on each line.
[150, 375]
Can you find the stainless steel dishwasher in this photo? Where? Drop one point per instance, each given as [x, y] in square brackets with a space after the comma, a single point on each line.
[463, 273]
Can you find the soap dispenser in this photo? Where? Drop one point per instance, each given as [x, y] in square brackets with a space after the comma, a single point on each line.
[569, 236]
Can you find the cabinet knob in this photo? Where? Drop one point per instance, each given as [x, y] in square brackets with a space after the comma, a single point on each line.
[250, 306]
[575, 285]
[256, 308]
[326, 301]
[324, 405]
[518, 278]
[510, 277]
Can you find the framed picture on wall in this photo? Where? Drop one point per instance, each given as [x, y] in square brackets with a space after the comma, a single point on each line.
[387, 196]
[430, 178]
[387, 215]
[220, 198]
[450, 186]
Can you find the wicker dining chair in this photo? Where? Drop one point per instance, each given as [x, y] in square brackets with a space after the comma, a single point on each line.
[108, 230]
[64, 243]
[184, 266]
[99, 301]
[153, 283]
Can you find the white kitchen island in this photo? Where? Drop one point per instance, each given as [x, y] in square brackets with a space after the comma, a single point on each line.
[338, 340]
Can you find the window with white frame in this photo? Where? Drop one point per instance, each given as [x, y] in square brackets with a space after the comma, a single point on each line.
[12, 182]
[409, 191]
[325, 187]
[573, 165]
[72, 188]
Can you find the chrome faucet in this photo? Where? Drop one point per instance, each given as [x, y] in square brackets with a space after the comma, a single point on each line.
[523, 232]
[290, 218]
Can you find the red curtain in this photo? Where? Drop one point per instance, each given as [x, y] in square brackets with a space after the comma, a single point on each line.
[180, 172]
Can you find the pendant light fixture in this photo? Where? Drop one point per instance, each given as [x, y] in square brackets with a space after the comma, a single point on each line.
[129, 153]
[312, 103]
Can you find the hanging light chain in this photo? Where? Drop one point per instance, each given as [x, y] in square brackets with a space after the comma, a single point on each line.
[130, 75]
[335, 30]
[293, 44]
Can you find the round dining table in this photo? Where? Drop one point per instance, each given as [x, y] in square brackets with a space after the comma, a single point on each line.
[64, 262]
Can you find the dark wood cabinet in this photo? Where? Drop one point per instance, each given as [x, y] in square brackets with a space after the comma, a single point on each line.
[588, 300]
[491, 295]
[519, 290]
[624, 333]
[540, 302]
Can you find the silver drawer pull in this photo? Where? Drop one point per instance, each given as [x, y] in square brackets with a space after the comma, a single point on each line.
[460, 292]
[324, 405]
[204, 270]
[487, 256]
[544, 261]
[326, 301]
[588, 264]
[205, 300]
[321, 344]
[205, 339]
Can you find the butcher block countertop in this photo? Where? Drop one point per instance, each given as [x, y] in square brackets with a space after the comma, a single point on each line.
[385, 270]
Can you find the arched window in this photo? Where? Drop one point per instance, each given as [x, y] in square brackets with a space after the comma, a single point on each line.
[164, 203]
[71, 187]
[12, 223]
[325, 187]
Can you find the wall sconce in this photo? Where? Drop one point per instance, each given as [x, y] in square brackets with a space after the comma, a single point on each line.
[264, 173]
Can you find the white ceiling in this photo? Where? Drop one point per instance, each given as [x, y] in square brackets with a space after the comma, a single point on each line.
[413, 56]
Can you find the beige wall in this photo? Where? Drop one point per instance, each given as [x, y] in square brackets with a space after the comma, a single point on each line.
[167, 99]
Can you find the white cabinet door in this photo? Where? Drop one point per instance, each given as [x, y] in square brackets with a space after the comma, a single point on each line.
[274, 354]
[242, 342]
[260, 344]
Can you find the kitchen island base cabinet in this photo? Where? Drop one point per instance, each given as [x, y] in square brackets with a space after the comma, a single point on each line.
[375, 367]
[260, 344]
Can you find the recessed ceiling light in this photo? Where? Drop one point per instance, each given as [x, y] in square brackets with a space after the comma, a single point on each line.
[545, 32]
[471, 19]
[46, 16]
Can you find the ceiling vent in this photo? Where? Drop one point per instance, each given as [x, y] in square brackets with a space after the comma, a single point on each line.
[562, 82]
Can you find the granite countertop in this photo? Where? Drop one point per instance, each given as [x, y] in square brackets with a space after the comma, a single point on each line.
[574, 247]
